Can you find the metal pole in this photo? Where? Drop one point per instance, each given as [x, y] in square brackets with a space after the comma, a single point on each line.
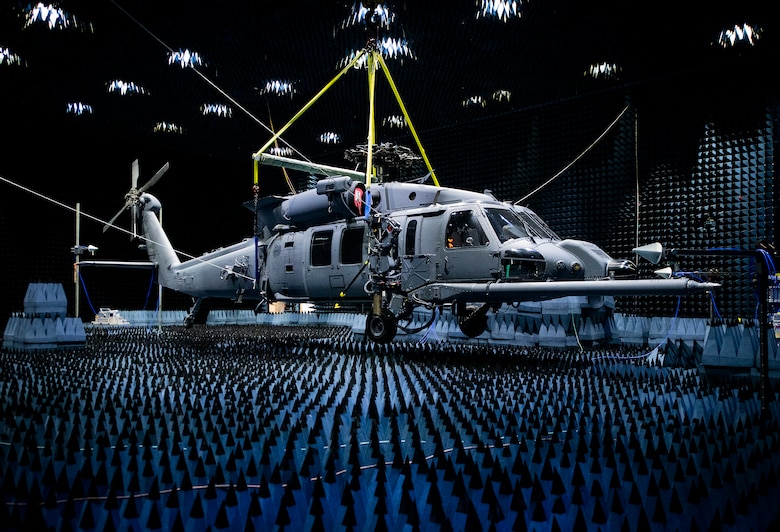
[76, 265]
[159, 292]
[762, 273]
[762, 282]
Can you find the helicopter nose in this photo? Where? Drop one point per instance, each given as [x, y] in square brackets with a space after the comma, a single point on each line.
[621, 269]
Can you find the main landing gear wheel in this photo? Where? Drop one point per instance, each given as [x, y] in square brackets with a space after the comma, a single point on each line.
[381, 328]
[472, 320]
[189, 319]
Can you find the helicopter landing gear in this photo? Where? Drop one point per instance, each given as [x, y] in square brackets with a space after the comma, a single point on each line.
[381, 328]
[472, 320]
[189, 319]
[262, 306]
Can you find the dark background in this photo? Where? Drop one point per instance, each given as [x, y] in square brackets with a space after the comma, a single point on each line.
[696, 143]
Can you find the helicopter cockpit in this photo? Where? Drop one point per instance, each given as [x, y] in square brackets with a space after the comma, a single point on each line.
[464, 230]
[517, 222]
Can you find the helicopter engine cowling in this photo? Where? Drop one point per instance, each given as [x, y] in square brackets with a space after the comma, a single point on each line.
[334, 198]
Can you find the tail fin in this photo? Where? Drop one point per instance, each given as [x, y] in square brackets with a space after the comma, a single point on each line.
[158, 246]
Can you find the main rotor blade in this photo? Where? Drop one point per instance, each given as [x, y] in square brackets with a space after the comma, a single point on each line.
[155, 177]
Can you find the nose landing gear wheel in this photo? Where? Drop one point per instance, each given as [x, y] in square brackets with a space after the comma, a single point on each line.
[472, 320]
[381, 328]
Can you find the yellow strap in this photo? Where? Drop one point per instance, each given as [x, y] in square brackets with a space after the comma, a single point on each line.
[284, 170]
[408, 120]
[306, 107]
[371, 64]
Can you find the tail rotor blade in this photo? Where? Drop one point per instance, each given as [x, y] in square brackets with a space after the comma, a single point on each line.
[134, 176]
[133, 195]
[112, 220]
[156, 177]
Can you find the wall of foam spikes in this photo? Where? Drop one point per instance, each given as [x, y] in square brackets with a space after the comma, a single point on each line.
[689, 164]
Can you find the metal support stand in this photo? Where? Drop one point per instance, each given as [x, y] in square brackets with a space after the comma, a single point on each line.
[762, 286]
[76, 288]
[78, 250]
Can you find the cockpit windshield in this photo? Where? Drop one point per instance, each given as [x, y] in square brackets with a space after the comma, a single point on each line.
[538, 226]
[509, 223]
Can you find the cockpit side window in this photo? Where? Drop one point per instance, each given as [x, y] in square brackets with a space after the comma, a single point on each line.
[518, 222]
[464, 230]
[506, 224]
[534, 224]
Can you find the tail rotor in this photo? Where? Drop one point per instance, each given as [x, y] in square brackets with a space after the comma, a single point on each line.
[132, 196]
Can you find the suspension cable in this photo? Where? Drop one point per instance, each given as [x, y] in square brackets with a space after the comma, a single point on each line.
[580, 156]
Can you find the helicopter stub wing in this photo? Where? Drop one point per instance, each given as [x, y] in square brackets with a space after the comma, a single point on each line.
[540, 291]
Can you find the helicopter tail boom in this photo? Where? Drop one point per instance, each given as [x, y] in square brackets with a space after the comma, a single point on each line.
[158, 246]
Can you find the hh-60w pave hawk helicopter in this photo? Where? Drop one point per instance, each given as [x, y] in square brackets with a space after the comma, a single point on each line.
[393, 246]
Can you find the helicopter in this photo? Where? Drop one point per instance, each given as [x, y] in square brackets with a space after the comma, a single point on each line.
[393, 248]
[390, 245]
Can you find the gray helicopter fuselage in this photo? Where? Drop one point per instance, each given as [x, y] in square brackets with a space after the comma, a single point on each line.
[440, 234]
[319, 263]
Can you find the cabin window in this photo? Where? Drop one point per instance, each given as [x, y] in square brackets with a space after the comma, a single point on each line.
[464, 230]
[352, 245]
[320, 248]
[411, 236]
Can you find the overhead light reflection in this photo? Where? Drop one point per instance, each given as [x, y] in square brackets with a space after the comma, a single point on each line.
[216, 109]
[78, 109]
[9, 58]
[125, 87]
[168, 127]
[379, 15]
[185, 58]
[329, 137]
[394, 121]
[474, 101]
[389, 47]
[280, 151]
[52, 17]
[603, 71]
[279, 87]
[501, 95]
[481, 101]
[502, 10]
[740, 33]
